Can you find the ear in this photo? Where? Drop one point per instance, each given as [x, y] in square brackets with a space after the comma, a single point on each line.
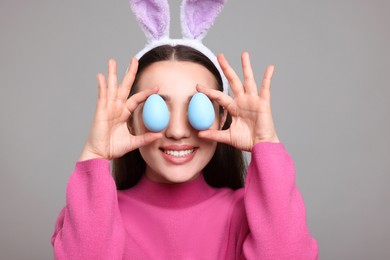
[153, 17]
[197, 16]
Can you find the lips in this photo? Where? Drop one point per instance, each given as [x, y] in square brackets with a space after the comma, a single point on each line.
[178, 154]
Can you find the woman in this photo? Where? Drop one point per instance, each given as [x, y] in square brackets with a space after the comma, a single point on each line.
[174, 201]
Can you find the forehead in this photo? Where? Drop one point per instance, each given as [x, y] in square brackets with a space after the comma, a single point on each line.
[176, 77]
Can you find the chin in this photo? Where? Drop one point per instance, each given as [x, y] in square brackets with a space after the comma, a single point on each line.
[182, 179]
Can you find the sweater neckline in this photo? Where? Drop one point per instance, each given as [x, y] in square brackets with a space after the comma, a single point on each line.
[177, 195]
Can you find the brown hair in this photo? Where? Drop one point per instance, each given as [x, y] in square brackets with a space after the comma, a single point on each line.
[225, 169]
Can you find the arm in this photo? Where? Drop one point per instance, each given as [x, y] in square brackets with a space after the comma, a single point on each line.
[90, 225]
[273, 204]
[275, 209]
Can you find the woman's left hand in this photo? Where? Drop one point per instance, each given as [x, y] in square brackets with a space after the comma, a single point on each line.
[250, 109]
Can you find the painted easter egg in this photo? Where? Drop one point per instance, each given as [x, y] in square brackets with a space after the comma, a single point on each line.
[201, 112]
[155, 113]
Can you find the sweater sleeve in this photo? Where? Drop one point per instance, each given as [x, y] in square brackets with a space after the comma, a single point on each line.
[90, 224]
[274, 206]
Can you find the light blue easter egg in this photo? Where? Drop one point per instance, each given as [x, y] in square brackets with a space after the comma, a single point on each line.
[155, 113]
[201, 112]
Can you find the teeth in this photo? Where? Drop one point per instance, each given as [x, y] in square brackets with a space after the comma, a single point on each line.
[179, 153]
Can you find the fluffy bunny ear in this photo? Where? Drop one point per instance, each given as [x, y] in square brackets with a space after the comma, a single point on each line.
[197, 16]
[153, 17]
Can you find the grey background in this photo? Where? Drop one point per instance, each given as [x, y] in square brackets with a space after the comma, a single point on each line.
[330, 105]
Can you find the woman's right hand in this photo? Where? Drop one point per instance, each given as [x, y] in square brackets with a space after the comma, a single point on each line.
[109, 136]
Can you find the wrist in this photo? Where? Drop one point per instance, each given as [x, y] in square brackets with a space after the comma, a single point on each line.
[87, 155]
[272, 139]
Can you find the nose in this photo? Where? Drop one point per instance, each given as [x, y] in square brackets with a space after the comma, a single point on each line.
[178, 126]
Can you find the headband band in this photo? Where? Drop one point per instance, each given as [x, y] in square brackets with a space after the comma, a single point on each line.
[197, 16]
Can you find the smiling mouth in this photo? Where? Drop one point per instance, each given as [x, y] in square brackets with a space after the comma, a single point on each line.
[180, 153]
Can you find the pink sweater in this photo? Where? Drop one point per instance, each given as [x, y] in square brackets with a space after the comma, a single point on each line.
[264, 220]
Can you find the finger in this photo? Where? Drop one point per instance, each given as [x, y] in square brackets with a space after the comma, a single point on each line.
[136, 99]
[128, 80]
[249, 80]
[102, 92]
[218, 96]
[265, 89]
[234, 80]
[221, 136]
[112, 80]
[147, 138]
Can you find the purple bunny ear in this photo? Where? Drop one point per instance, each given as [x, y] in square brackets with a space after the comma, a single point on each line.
[197, 16]
[153, 17]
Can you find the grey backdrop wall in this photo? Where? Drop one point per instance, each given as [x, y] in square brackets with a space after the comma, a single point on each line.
[330, 103]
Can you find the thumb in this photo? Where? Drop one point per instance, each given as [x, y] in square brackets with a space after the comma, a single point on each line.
[216, 135]
[145, 139]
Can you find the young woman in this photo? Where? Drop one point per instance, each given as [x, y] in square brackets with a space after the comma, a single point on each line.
[178, 193]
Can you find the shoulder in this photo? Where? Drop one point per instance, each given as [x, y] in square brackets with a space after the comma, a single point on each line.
[238, 225]
[232, 199]
[238, 206]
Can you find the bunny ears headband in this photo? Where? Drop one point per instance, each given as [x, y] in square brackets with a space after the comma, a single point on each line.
[197, 16]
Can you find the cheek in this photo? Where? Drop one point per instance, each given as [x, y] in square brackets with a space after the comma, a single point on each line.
[145, 153]
[209, 149]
